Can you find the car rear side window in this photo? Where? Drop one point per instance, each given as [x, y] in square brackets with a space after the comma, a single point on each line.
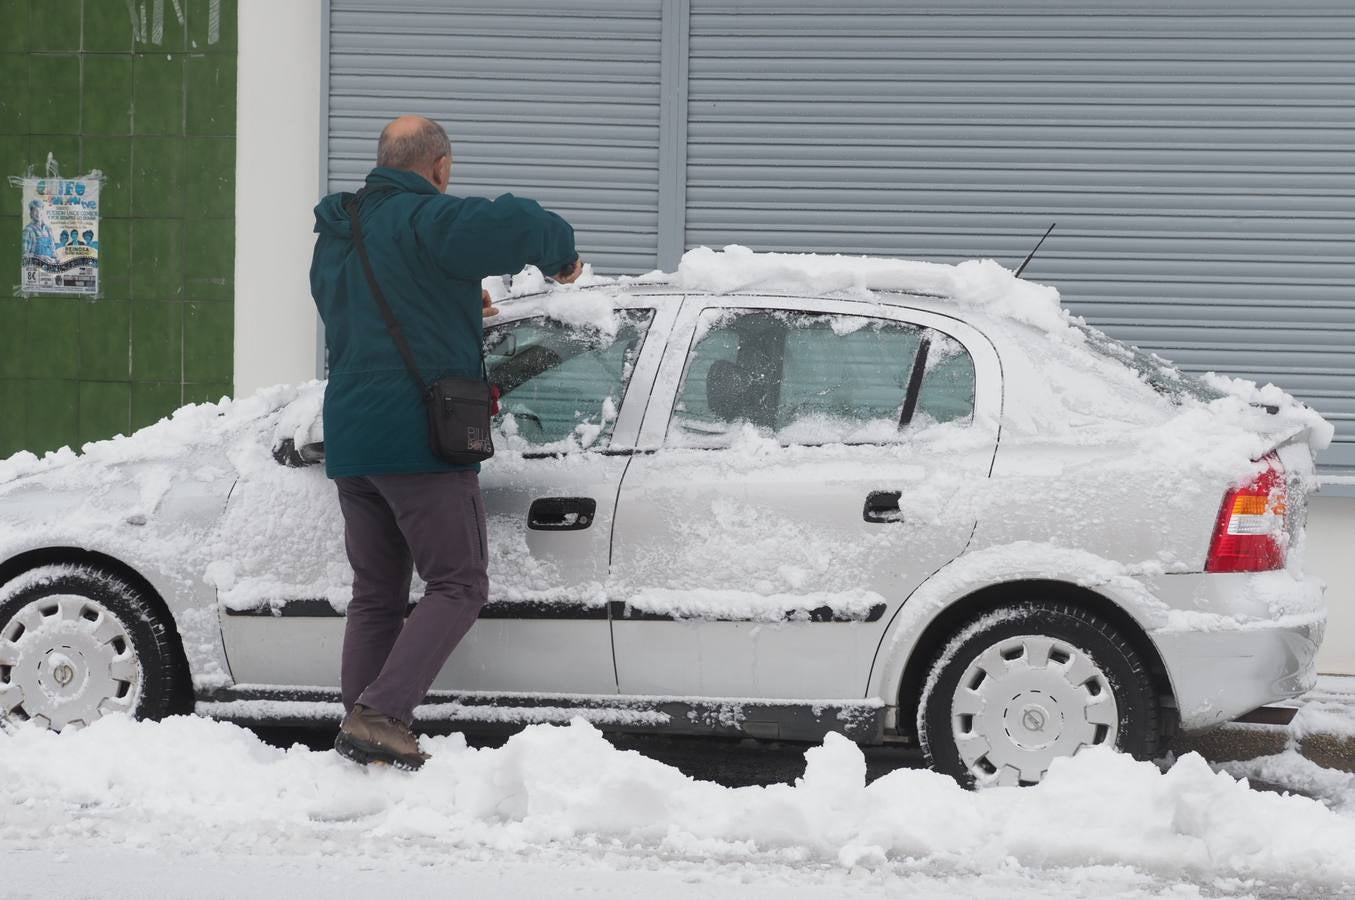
[946, 393]
[810, 378]
[562, 385]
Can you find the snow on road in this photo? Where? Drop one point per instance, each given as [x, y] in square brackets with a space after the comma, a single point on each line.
[126, 809]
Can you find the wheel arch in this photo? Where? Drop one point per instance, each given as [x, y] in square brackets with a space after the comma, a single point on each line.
[50, 556]
[953, 617]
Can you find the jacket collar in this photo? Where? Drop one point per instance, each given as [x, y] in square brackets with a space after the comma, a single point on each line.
[400, 178]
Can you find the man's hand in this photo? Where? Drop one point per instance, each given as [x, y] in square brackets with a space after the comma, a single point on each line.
[570, 273]
[489, 308]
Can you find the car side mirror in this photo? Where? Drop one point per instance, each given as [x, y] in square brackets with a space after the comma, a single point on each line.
[287, 453]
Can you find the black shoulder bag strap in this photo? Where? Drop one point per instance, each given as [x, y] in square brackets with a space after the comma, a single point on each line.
[388, 314]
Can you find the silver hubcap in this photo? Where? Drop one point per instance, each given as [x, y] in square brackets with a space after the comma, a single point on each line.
[66, 661]
[1026, 701]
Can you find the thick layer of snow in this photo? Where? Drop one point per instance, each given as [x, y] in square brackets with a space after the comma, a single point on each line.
[1101, 824]
[983, 284]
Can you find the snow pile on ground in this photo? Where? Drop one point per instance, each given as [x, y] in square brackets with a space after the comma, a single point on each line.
[1328, 709]
[190, 785]
[1295, 772]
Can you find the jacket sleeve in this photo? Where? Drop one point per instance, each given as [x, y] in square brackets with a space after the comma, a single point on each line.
[474, 238]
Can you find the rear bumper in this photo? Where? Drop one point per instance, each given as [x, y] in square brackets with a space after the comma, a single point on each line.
[1225, 665]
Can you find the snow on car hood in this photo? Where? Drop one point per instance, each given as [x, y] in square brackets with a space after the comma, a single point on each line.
[186, 432]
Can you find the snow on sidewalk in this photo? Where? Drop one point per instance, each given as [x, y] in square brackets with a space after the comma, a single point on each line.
[196, 792]
[1328, 709]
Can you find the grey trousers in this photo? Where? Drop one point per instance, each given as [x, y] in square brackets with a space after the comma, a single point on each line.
[393, 525]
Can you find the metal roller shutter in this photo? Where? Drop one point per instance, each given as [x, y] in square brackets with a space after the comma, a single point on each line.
[554, 101]
[1197, 157]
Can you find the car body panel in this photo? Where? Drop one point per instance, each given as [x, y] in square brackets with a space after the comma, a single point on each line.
[546, 624]
[775, 525]
[126, 519]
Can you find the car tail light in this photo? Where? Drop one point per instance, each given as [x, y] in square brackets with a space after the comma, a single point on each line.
[1251, 534]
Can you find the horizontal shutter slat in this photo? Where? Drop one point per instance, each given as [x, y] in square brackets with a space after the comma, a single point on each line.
[1199, 159]
[573, 123]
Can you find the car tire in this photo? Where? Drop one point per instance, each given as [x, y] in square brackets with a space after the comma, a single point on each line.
[1023, 685]
[78, 643]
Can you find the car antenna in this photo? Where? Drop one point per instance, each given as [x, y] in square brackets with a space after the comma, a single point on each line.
[1025, 262]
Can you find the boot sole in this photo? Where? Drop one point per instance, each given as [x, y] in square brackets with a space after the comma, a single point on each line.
[365, 754]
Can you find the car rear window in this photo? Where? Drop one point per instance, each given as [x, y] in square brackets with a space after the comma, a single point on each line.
[1158, 373]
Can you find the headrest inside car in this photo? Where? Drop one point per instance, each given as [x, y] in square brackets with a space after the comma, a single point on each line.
[728, 385]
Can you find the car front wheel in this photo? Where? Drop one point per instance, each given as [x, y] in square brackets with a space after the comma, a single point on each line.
[76, 644]
[1023, 685]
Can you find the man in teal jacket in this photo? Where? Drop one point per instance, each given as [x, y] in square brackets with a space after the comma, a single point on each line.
[403, 508]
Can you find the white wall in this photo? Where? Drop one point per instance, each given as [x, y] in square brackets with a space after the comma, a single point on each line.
[1331, 542]
[277, 182]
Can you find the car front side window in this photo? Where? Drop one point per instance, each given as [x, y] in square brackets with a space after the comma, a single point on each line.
[561, 385]
[810, 378]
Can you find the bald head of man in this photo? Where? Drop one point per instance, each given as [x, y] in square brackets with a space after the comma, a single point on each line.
[417, 145]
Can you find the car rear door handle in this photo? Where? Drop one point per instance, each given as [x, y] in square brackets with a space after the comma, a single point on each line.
[562, 513]
[882, 506]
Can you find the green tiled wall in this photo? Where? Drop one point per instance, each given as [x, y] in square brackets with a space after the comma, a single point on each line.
[155, 111]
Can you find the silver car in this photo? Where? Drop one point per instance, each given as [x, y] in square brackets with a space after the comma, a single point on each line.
[884, 513]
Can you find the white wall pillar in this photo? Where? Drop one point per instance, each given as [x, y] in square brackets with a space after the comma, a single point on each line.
[1331, 535]
[277, 182]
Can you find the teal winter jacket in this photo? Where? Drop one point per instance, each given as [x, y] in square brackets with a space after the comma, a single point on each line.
[429, 252]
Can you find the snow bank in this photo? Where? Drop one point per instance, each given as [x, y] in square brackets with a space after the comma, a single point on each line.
[189, 784]
[1295, 772]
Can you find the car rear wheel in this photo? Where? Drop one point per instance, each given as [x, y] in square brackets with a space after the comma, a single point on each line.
[1024, 685]
[76, 644]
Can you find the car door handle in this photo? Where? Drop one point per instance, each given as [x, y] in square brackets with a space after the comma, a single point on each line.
[882, 506]
[562, 513]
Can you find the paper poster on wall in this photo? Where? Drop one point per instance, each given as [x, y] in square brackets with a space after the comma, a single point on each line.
[60, 236]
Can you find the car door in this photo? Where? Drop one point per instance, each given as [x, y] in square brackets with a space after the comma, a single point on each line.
[563, 437]
[803, 461]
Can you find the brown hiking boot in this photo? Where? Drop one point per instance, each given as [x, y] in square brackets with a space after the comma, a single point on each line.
[366, 736]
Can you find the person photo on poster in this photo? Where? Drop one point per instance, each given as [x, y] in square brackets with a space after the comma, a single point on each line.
[60, 236]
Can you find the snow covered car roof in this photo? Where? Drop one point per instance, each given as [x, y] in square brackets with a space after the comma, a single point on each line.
[1070, 383]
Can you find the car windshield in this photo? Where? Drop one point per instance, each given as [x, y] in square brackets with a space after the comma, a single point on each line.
[1162, 376]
